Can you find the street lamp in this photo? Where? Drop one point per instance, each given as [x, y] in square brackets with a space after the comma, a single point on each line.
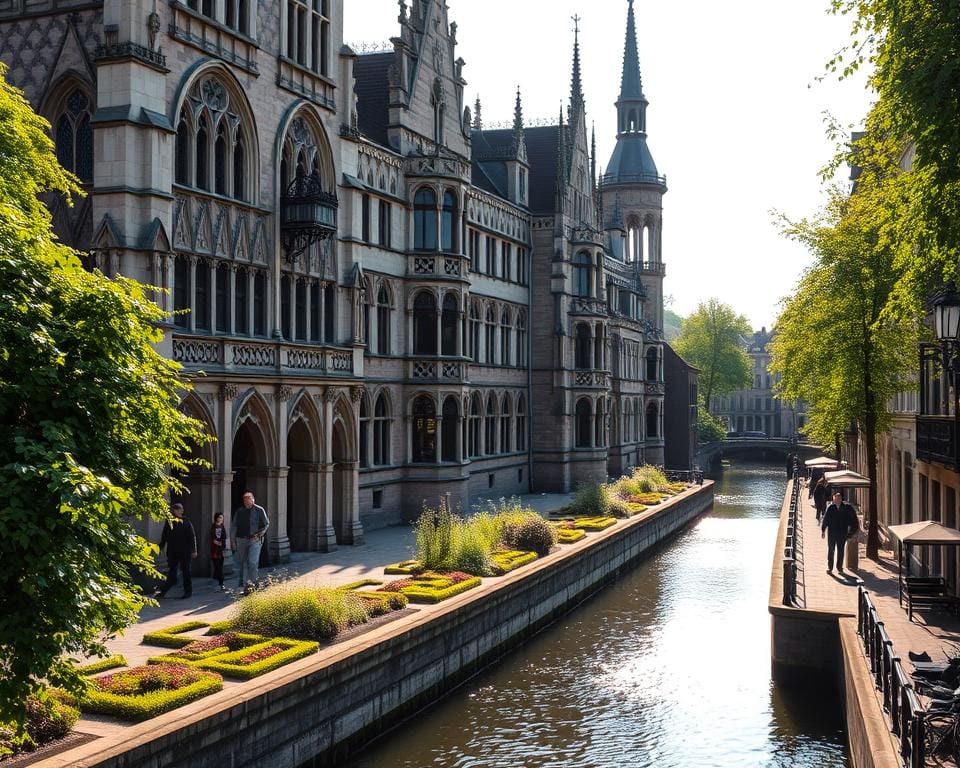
[946, 323]
[946, 314]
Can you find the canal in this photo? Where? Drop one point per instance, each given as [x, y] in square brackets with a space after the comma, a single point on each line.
[670, 666]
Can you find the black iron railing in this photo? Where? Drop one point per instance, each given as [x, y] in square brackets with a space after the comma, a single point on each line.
[900, 701]
[792, 543]
[937, 439]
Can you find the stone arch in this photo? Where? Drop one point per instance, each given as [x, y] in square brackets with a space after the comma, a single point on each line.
[301, 136]
[304, 457]
[199, 493]
[253, 448]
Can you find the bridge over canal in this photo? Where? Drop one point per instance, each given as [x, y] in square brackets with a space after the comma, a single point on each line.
[764, 448]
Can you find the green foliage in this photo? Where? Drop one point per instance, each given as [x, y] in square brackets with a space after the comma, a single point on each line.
[144, 692]
[569, 535]
[710, 339]
[258, 659]
[434, 537]
[511, 559]
[102, 665]
[433, 587]
[382, 603]
[404, 568]
[361, 583]
[199, 650]
[50, 715]
[219, 627]
[173, 636]
[534, 534]
[590, 500]
[709, 428]
[597, 523]
[91, 430]
[305, 613]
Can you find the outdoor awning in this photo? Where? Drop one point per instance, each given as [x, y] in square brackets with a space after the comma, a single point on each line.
[846, 478]
[821, 461]
[927, 532]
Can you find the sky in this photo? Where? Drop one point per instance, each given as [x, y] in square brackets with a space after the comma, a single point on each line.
[736, 116]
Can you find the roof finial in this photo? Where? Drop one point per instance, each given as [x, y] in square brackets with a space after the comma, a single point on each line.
[576, 85]
[519, 139]
[477, 118]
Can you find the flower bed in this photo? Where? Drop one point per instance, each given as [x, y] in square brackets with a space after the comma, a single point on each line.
[432, 587]
[566, 533]
[200, 650]
[102, 665]
[405, 568]
[510, 560]
[173, 637]
[634, 508]
[649, 499]
[144, 692]
[50, 716]
[382, 603]
[591, 523]
[259, 658]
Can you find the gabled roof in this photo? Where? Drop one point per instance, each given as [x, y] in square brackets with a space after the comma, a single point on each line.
[373, 95]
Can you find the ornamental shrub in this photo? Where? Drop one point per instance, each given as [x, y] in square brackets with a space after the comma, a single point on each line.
[49, 716]
[102, 665]
[434, 537]
[307, 613]
[144, 692]
[535, 535]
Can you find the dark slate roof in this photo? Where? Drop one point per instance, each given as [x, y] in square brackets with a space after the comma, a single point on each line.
[491, 150]
[631, 161]
[373, 95]
[542, 157]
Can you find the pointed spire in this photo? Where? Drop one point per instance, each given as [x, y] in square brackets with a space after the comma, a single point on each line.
[477, 117]
[561, 164]
[593, 152]
[576, 84]
[631, 85]
[519, 139]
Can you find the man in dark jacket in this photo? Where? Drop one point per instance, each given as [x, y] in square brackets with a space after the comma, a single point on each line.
[839, 524]
[249, 528]
[180, 541]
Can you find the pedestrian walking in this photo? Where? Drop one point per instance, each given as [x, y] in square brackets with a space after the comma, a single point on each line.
[249, 527]
[180, 541]
[821, 494]
[790, 462]
[219, 541]
[839, 523]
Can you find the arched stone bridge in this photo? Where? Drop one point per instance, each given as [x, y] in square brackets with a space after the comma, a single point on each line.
[765, 448]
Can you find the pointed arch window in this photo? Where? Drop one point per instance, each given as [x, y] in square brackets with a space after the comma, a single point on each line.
[491, 427]
[600, 425]
[505, 425]
[521, 339]
[652, 365]
[424, 430]
[202, 152]
[475, 333]
[583, 425]
[364, 433]
[506, 331]
[491, 327]
[381, 432]
[521, 431]
[582, 348]
[653, 420]
[239, 166]
[73, 136]
[383, 322]
[474, 441]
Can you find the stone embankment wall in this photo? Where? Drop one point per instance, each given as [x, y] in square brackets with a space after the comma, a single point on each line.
[314, 711]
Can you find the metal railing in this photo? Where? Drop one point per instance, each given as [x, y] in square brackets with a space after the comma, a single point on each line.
[792, 543]
[692, 476]
[900, 701]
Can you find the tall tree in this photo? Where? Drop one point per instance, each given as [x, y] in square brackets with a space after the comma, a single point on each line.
[710, 339]
[91, 427]
[842, 345]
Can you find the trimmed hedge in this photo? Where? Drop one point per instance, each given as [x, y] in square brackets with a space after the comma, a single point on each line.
[636, 509]
[362, 583]
[382, 603]
[406, 568]
[172, 637]
[570, 535]
[102, 665]
[50, 715]
[504, 562]
[144, 692]
[433, 587]
[245, 664]
[594, 523]
[219, 627]
[200, 650]
[649, 499]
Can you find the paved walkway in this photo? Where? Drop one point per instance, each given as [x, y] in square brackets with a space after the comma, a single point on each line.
[345, 565]
[929, 631]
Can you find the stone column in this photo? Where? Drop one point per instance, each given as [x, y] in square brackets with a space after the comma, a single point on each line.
[351, 502]
[326, 534]
[224, 459]
[278, 543]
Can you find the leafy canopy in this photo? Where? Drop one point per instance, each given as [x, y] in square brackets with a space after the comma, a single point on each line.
[91, 428]
[711, 340]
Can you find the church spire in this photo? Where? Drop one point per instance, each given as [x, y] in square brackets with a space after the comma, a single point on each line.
[576, 84]
[561, 165]
[631, 86]
[519, 139]
[477, 118]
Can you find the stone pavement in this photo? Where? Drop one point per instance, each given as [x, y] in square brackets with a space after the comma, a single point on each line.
[930, 631]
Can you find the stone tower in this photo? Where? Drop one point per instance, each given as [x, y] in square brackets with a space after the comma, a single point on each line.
[632, 189]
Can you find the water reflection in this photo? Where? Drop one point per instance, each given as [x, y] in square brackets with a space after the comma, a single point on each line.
[668, 667]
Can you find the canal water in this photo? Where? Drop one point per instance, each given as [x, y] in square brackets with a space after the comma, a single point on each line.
[669, 666]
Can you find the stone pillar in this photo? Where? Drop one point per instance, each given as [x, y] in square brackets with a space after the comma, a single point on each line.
[278, 543]
[326, 534]
[353, 533]
[222, 484]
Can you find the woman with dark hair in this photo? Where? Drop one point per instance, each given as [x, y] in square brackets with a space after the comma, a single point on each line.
[219, 540]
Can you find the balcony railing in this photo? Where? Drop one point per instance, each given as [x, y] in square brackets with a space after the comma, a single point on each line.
[937, 440]
[308, 214]
[438, 370]
[214, 355]
[591, 379]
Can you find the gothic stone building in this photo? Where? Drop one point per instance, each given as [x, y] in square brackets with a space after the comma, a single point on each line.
[379, 300]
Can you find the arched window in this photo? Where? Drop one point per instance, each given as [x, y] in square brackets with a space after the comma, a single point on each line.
[425, 324]
[600, 425]
[582, 269]
[448, 222]
[521, 338]
[381, 432]
[653, 419]
[364, 433]
[505, 425]
[220, 160]
[652, 372]
[425, 220]
[449, 325]
[241, 306]
[637, 419]
[202, 149]
[239, 167]
[73, 136]
[475, 411]
[424, 430]
[627, 423]
[181, 292]
[582, 347]
[506, 330]
[383, 322]
[583, 425]
[450, 428]
[491, 334]
[475, 333]
[184, 136]
[599, 347]
[491, 427]
[521, 431]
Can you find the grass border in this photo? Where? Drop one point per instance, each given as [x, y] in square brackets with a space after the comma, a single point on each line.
[404, 568]
[102, 665]
[224, 663]
[145, 706]
[172, 637]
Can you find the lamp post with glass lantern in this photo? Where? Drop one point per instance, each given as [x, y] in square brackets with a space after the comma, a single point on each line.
[946, 324]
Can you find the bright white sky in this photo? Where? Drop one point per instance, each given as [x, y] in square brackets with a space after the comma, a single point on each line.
[735, 118]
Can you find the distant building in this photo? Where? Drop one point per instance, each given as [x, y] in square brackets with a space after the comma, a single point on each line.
[757, 408]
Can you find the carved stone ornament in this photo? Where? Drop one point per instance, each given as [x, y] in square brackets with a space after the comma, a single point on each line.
[153, 27]
[229, 392]
[283, 394]
[356, 394]
[331, 395]
[214, 95]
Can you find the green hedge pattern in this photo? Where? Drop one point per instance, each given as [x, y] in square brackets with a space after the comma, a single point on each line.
[433, 587]
[504, 562]
[173, 637]
[405, 568]
[570, 535]
[231, 664]
[143, 706]
[102, 665]
[200, 650]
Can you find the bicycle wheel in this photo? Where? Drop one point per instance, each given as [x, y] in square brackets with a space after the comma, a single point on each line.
[939, 741]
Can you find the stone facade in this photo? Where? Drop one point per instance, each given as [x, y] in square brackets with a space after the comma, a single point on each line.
[378, 300]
